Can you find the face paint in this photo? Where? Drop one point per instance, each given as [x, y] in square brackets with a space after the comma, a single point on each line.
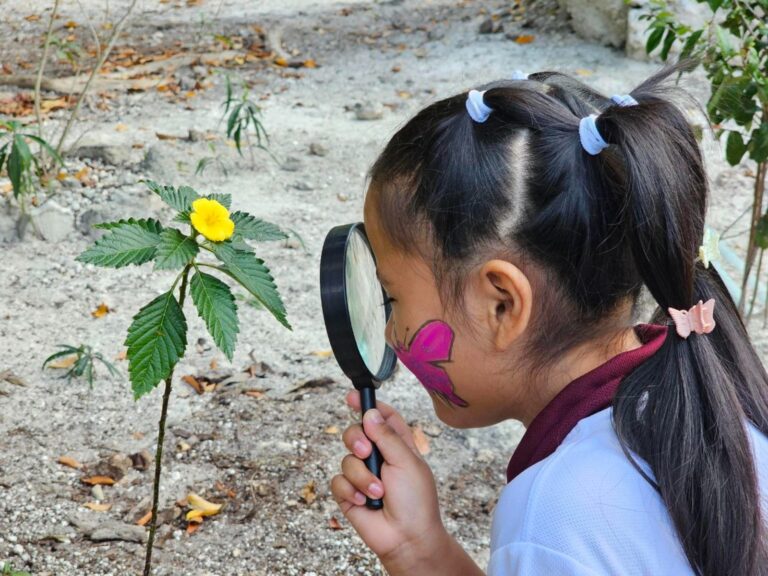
[430, 346]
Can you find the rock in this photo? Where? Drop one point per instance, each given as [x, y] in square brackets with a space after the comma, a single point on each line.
[53, 222]
[116, 466]
[302, 185]
[114, 530]
[369, 111]
[195, 135]
[105, 147]
[317, 149]
[291, 164]
[604, 21]
[90, 217]
[98, 492]
[187, 83]
[8, 231]
[141, 460]
[159, 163]
[491, 26]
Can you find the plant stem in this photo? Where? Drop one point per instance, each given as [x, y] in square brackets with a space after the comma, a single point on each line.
[160, 439]
[39, 79]
[757, 212]
[104, 55]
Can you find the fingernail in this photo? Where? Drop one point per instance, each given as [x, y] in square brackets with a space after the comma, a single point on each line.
[374, 416]
[375, 490]
[359, 448]
[359, 498]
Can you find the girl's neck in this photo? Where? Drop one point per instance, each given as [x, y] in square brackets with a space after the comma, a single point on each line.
[574, 363]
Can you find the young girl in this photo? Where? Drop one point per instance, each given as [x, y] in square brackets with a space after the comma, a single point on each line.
[513, 229]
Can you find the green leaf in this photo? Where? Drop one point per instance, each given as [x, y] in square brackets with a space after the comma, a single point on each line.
[47, 146]
[254, 276]
[180, 198]
[734, 148]
[252, 228]
[223, 199]
[723, 41]
[3, 154]
[156, 340]
[654, 39]
[149, 224]
[127, 243]
[714, 4]
[690, 44]
[216, 306]
[18, 163]
[175, 250]
[758, 145]
[669, 39]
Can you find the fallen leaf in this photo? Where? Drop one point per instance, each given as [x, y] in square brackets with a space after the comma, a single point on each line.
[525, 38]
[322, 353]
[101, 480]
[420, 439]
[334, 524]
[71, 25]
[310, 63]
[63, 363]
[121, 127]
[101, 311]
[214, 364]
[122, 355]
[331, 430]
[69, 461]
[162, 136]
[193, 383]
[280, 61]
[98, 506]
[82, 174]
[308, 493]
[32, 18]
[192, 527]
[255, 393]
[200, 507]
[144, 520]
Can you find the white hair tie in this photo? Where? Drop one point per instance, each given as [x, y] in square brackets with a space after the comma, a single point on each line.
[478, 110]
[624, 100]
[519, 75]
[591, 139]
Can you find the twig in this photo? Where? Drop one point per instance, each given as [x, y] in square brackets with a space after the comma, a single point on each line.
[39, 79]
[112, 39]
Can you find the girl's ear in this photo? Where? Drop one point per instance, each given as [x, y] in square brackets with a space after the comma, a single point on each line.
[507, 300]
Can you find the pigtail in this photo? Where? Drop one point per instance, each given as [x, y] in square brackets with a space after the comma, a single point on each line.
[685, 411]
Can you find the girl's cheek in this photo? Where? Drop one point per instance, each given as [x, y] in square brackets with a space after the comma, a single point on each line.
[389, 330]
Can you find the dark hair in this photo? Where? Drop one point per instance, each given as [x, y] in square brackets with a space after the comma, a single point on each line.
[599, 228]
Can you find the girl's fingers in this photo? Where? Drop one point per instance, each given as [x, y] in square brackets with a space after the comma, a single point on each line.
[392, 418]
[356, 473]
[345, 494]
[356, 441]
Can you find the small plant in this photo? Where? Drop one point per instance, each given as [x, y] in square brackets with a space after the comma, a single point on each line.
[242, 116]
[215, 159]
[157, 337]
[733, 48]
[78, 361]
[9, 570]
[22, 165]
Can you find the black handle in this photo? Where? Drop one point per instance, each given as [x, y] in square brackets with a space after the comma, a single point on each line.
[374, 460]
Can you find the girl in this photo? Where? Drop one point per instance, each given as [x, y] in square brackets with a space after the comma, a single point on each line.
[513, 230]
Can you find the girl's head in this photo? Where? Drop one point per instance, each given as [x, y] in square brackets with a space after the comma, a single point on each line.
[507, 246]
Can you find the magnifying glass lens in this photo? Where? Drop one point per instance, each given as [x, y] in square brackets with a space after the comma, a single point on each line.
[365, 302]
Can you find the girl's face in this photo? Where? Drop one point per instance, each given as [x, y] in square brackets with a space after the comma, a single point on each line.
[458, 360]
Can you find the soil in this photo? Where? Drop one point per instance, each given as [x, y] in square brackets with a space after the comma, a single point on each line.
[269, 455]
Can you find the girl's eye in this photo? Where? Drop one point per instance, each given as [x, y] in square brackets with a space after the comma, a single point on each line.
[388, 300]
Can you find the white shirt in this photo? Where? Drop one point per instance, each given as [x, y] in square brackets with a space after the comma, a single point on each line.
[586, 511]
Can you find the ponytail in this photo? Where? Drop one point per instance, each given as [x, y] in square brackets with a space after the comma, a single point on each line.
[686, 410]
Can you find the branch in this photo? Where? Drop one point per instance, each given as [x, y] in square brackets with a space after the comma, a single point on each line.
[39, 79]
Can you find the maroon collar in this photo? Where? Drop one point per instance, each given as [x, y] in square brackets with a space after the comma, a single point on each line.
[586, 395]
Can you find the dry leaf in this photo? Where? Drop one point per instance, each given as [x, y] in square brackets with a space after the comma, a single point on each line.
[121, 127]
[255, 393]
[280, 61]
[420, 439]
[162, 136]
[102, 480]
[192, 527]
[32, 18]
[322, 353]
[310, 63]
[200, 507]
[334, 524]
[122, 355]
[308, 493]
[69, 461]
[98, 506]
[525, 38]
[64, 362]
[101, 310]
[193, 383]
[82, 174]
[144, 520]
[71, 24]
[331, 430]
[214, 364]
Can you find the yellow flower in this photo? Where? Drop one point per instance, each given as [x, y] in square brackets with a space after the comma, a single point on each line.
[211, 219]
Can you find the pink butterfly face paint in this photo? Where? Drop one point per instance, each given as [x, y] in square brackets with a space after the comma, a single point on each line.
[431, 346]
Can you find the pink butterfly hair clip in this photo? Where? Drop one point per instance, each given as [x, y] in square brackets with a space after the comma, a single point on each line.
[699, 319]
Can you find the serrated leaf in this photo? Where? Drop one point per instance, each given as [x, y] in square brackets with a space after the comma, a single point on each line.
[216, 306]
[223, 199]
[156, 340]
[180, 198]
[127, 243]
[256, 229]
[175, 250]
[148, 223]
[254, 276]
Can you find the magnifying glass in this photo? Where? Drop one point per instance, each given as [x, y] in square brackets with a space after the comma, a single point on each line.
[355, 313]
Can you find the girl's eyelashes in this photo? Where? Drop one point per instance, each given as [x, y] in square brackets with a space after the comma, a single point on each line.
[388, 300]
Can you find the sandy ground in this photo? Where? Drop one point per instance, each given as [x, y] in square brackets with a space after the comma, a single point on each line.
[254, 454]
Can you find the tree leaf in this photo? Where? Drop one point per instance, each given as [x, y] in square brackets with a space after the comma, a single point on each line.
[47, 146]
[669, 39]
[18, 164]
[175, 250]
[216, 306]
[758, 145]
[252, 228]
[127, 243]
[654, 39]
[254, 276]
[223, 199]
[690, 44]
[156, 340]
[734, 148]
[180, 198]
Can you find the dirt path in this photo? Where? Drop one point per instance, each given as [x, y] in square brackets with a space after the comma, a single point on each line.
[256, 454]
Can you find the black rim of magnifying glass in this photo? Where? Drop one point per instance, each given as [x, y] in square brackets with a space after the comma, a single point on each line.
[333, 295]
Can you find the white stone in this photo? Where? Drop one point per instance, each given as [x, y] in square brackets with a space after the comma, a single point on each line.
[53, 222]
[604, 21]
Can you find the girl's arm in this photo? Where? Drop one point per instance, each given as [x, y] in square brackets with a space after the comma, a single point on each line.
[407, 534]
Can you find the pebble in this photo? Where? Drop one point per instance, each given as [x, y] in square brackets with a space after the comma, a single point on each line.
[369, 111]
[302, 185]
[98, 493]
[317, 149]
[291, 164]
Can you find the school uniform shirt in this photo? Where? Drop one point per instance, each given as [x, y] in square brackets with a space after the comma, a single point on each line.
[574, 504]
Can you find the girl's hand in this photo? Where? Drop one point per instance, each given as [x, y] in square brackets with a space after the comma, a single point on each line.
[408, 530]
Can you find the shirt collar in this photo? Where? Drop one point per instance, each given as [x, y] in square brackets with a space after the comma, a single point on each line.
[584, 396]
